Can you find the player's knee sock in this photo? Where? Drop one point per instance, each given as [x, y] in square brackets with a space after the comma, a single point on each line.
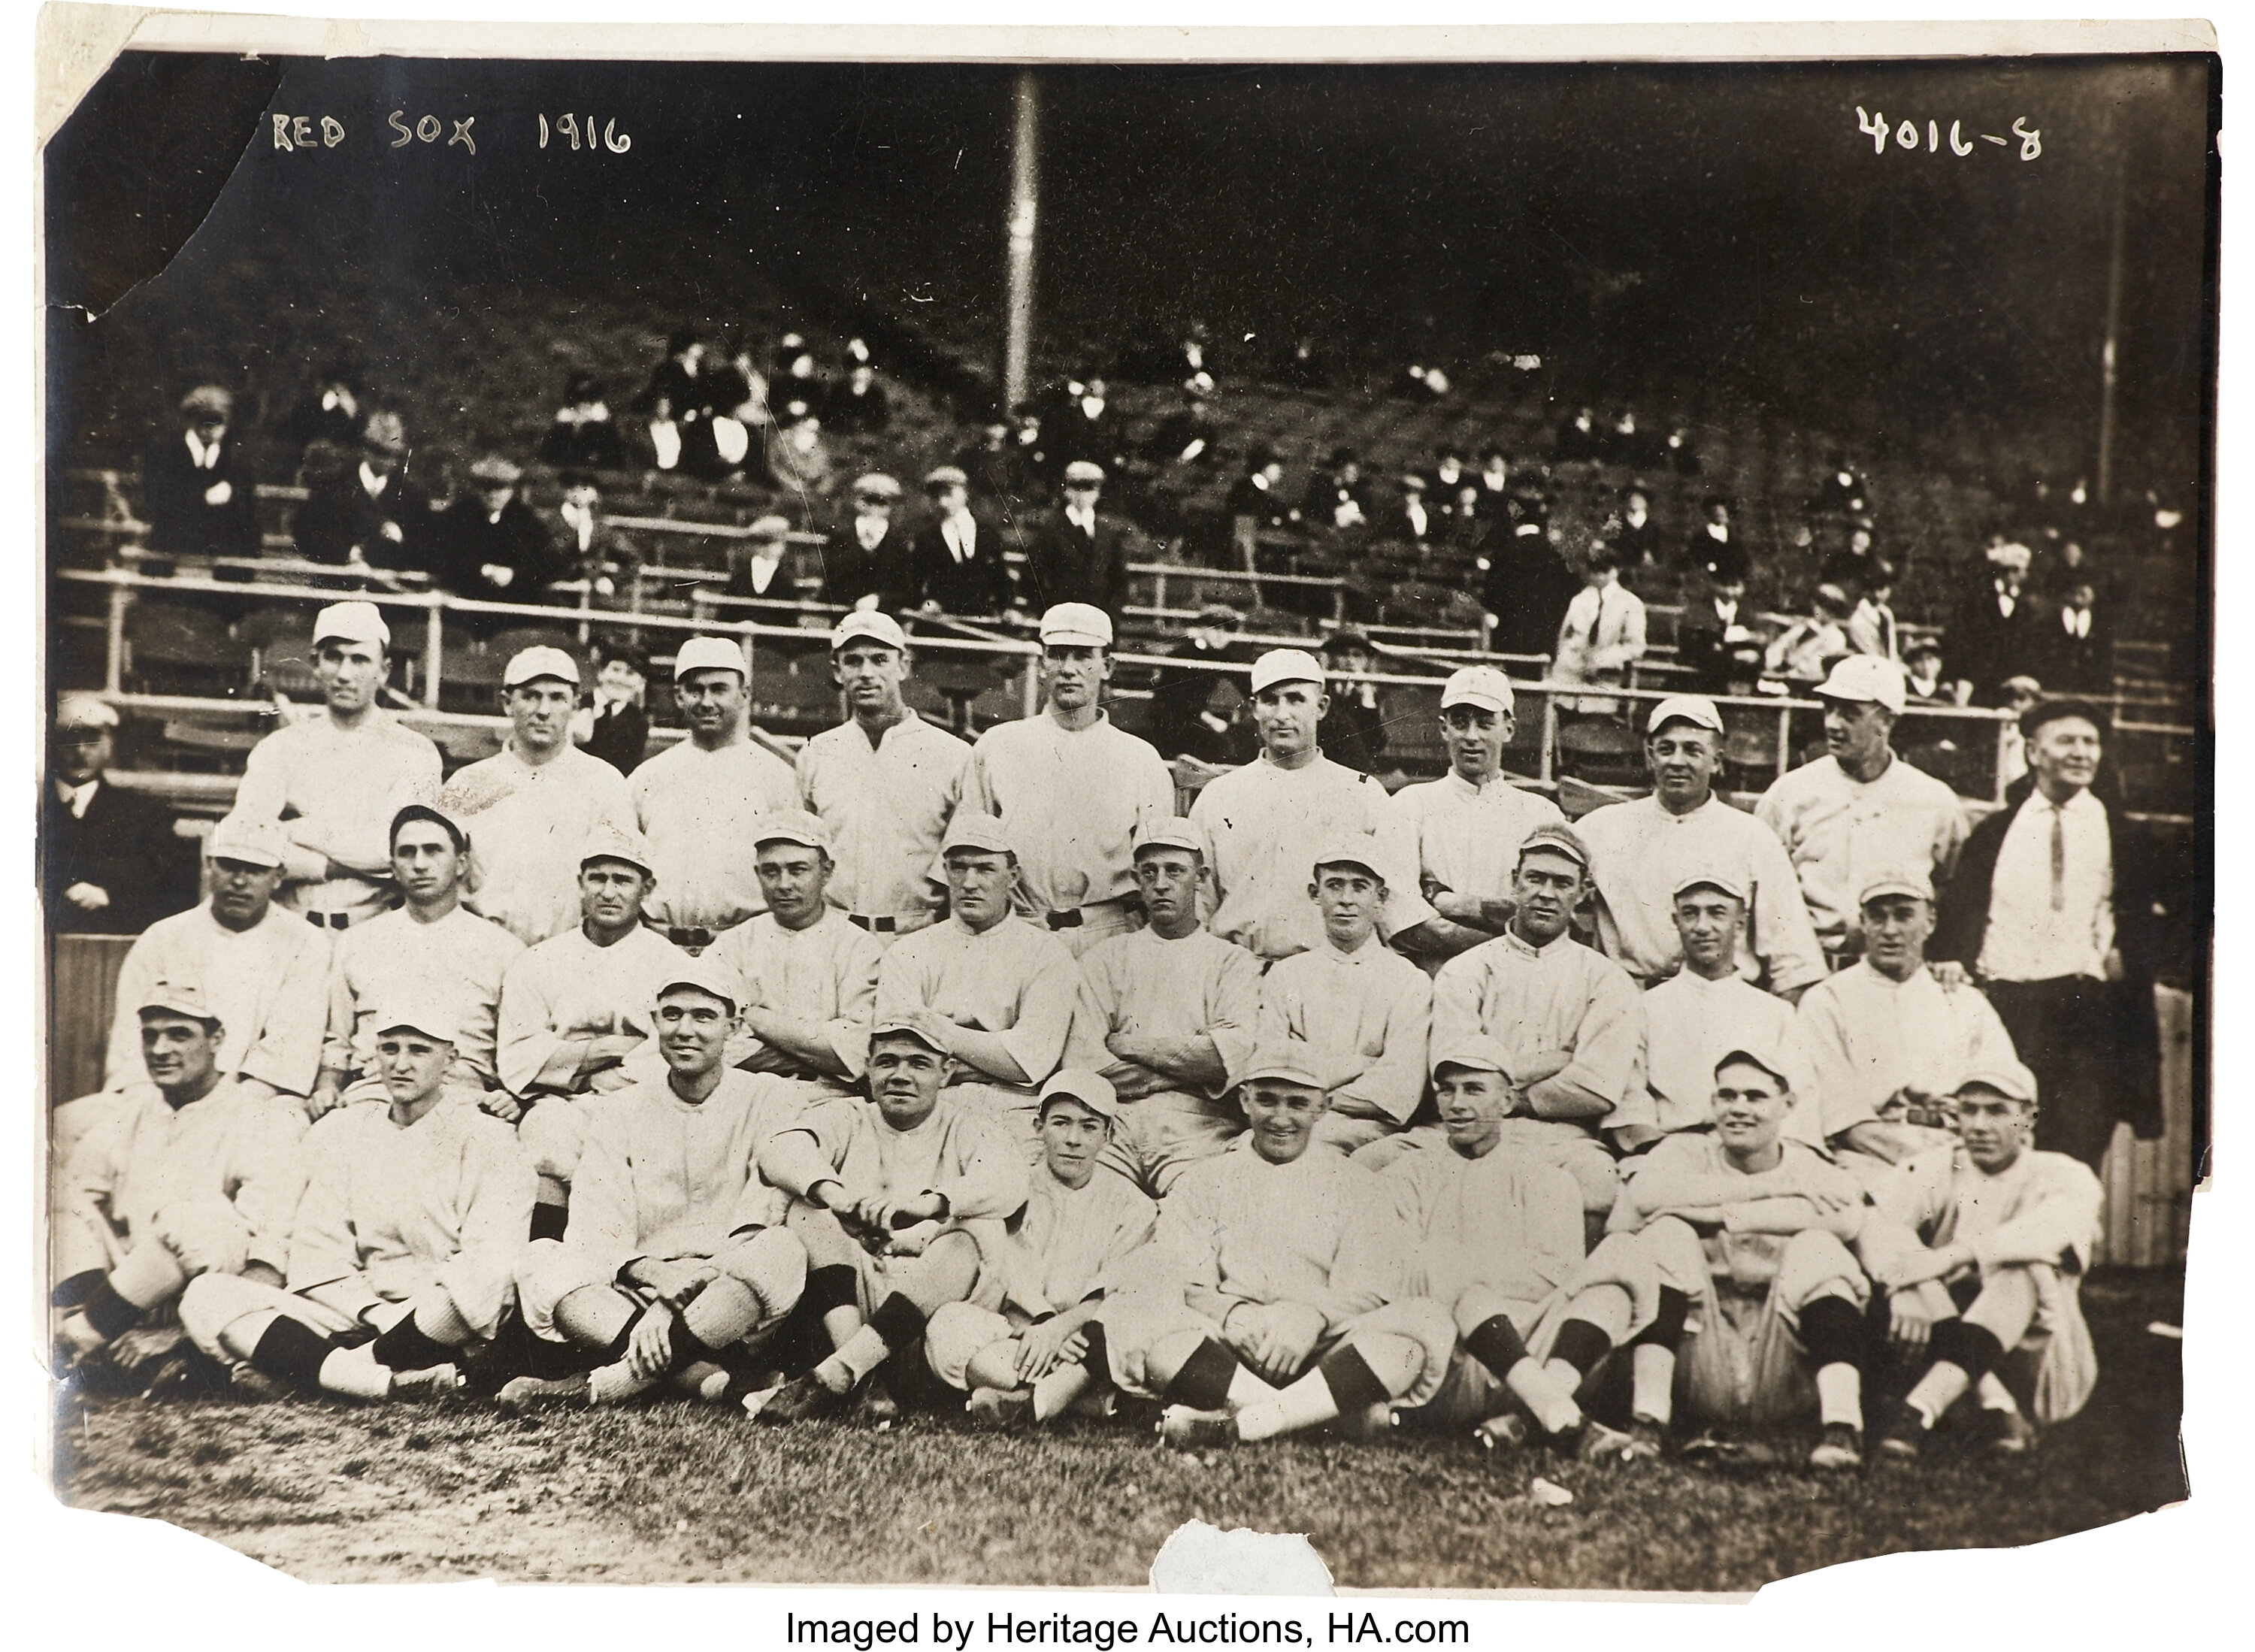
[1343, 1382]
[405, 1347]
[1832, 1330]
[1495, 1342]
[1580, 1346]
[110, 1315]
[291, 1351]
[75, 1290]
[1974, 1348]
[896, 1322]
[1206, 1378]
[1652, 1382]
[831, 1287]
[549, 1220]
[1666, 1327]
[721, 1314]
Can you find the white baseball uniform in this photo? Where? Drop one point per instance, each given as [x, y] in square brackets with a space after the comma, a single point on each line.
[825, 974]
[1869, 1036]
[694, 806]
[1842, 834]
[1364, 1016]
[1689, 1024]
[458, 960]
[1013, 979]
[335, 793]
[267, 984]
[527, 829]
[888, 807]
[1463, 837]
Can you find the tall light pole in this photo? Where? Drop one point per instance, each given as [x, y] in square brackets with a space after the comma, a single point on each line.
[2109, 351]
[1025, 189]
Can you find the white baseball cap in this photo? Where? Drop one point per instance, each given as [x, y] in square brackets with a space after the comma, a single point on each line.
[1690, 709]
[1077, 625]
[429, 1017]
[878, 627]
[1286, 665]
[77, 708]
[1917, 885]
[1480, 686]
[708, 654]
[351, 622]
[793, 826]
[540, 660]
[1868, 677]
[250, 838]
[1092, 1090]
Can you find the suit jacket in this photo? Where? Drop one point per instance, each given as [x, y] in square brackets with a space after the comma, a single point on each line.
[850, 574]
[467, 541]
[180, 522]
[338, 517]
[1527, 588]
[621, 736]
[125, 846]
[1984, 647]
[1699, 644]
[977, 588]
[2079, 666]
[593, 444]
[1064, 564]
[1353, 733]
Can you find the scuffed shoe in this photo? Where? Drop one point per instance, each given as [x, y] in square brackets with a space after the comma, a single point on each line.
[874, 1404]
[524, 1393]
[1185, 1429]
[2007, 1433]
[1842, 1447]
[801, 1399]
[1505, 1433]
[1001, 1408]
[1905, 1440]
[1598, 1444]
[431, 1383]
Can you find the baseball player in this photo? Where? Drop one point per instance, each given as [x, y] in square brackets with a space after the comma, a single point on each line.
[1742, 1214]
[1498, 1237]
[900, 1206]
[1166, 1017]
[1363, 1011]
[1267, 821]
[1980, 1246]
[333, 780]
[691, 800]
[575, 1013]
[1462, 832]
[991, 990]
[1273, 1297]
[1704, 1010]
[885, 782]
[401, 1254]
[1042, 1348]
[675, 1261]
[433, 948]
[264, 974]
[1639, 851]
[1859, 811]
[808, 977]
[1887, 1039]
[1571, 1020]
[180, 1175]
[532, 805]
[1072, 789]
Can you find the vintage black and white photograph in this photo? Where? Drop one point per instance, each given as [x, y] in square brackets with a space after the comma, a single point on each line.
[872, 822]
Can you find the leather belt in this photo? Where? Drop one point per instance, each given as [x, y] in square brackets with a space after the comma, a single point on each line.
[1075, 916]
[886, 926]
[681, 937]
[329, 920]
[1069, 918]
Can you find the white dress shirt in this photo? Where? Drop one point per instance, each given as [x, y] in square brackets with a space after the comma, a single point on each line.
[2044, 923]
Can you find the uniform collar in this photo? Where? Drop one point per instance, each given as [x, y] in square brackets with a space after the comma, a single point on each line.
[1519, 945]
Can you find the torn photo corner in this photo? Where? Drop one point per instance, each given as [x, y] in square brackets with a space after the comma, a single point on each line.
[1621, 365]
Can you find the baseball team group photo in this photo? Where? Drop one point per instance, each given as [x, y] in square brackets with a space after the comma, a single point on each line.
[884, 824]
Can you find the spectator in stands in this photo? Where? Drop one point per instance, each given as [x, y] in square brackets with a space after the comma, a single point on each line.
[676, 403]
[1804, 652]
[867, 566]
[758, 563]
[1842, 490]
[196, 494]
[1682, 454]
[371, 515]
[1201, 716]
[1036, 457]
[797, 388]
[614, 725]
[1185, 440]
[1634, 533]
[1410, 521]
[1715, 538]
[1074, 554]
[493, 548]
[264, 975]
[1495, 479]
[1577, 438]
[859, 407]
[1713, 637]
[2059, 575]
[1851, 565]
[2081, 653]
[1088, 427]
[798, 459]
[1450, 475]
[1859, 809]
[1336, 496]
[112, 864]
[1526, 588]
[1999, 630]
[955, 564]
[2058, 908]
[329, 416]
[1000, 474]
[1871, 626]
[1354, 727]
[336, 781]
[582, 436]
[1604, 631]
[1254, 507]
[1923, 662]
[591, 550]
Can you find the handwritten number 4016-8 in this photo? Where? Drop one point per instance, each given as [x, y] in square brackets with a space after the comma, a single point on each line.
[613, 139]
[1907, 135]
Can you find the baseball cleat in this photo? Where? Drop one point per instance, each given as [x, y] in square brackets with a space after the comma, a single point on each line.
[1000, 1407]
[1185, 1429]
[1905, 1440]
[875, 1403]
[801, 1399]
[1598, 1444]
[253, 1385]
[1504, 1433]
[1842, 1447]
[522, 1394]
[702, 1380]
[432, 1382]
[2008, 1433]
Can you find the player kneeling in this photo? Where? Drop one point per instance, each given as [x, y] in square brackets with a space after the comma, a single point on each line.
[1498, 1236]
[1749, 1233]
[1043, 1348]
[900, 1206]
[1981, 1246]
[674, 1262]
[410, 1225]
[1273, 1297]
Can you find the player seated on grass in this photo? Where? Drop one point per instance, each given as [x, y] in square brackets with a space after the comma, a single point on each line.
[181, 1176]
[1498, 1237]
[1272, 1299]
[575, 1010]
[675, 1264]
[1362, 1010]
[1749, 1233]
[401, 1256]
[1166, 1014]
[1042, 1348]
[1886, 1036]
[900, 1202]
[1980, 1247]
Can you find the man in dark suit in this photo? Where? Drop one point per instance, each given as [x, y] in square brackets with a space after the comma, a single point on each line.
[370, 512]
[1411, 521]
[1201, 714]
[1086, 425]
[197, 494]
[2081, 651]
[2059, 908]
[1185, 438]
[1712, 636]
[492, 547]
[109, 861]
[1353, 730]
[583, 437]
[955, 564]
[867, 566]
[2000, 629]
[1075, 554]
[1527, 585]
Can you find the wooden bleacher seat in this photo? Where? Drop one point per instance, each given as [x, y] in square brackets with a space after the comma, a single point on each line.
[178, 650]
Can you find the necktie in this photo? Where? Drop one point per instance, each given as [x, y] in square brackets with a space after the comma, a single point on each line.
[2058, 860]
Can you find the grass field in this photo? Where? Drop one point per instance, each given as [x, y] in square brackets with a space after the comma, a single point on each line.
[676, 1493]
